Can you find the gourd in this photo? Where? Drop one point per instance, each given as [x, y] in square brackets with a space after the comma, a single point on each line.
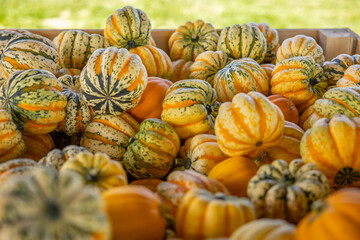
[308, 118]
[181, 70]
[287, 107]
[351, 77]
[16, 166]
[37, 145]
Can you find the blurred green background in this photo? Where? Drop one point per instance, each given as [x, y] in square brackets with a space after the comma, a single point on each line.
[86, 14]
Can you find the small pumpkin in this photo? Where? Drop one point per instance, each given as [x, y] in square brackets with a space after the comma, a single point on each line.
[331, 144]
[308, 118]
[37, 145]
[191, 39]
[181, 70]
[351, 77]
[201, 210]
[249, 125]
[152, 151]
[149, 183]
[286, 191]
[287, 107]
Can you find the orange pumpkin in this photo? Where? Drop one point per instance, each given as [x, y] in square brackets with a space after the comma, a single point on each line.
[150, 105]
[134, 213]
[37, 145]
[181, 70]
[234, 173]
[287, 107]
[336, 217]
[149, 183]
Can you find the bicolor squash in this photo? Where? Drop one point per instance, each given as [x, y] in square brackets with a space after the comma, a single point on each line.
[351, 77]
[181, 70]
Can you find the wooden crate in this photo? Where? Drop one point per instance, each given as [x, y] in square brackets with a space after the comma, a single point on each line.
[333, 41]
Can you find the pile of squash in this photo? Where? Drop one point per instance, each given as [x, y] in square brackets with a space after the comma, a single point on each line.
[233, 136]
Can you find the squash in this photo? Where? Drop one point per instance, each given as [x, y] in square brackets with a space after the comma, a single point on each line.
[286, 191]
[150, 105]
[332, 146]
[189, 107]
[181, 70]
[299, 79]
[56, 158]
[268, 67]
[42, 203]
[152, 151]
[16, 166]
[149, 183]
[109, 134]
[113, 80]
[29, 51]
[155, 60]
[37, 145]
[265, 229]
[272, 41]
[334, 69]
[234, 173]
[249, 125]
[97, 170]
[134, 212]
[336, 217]
[34, 99]
[207, 64]
[75, 47]
[243, 41]
[128, 28]
[201, 153]
[351, 77]
[299, 46]
[12, 144]
[287, 107]
[308, 118]
[200, 211]
[70, 71]
[191, 39]
[244, 75]
[78, 114]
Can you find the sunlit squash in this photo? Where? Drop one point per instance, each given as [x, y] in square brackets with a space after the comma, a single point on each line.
[351, 77]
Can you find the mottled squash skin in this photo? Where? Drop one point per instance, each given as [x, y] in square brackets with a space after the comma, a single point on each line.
[181, 70]
[351, 77]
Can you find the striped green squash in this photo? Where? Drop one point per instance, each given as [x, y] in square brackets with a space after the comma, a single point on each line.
[243, 41]
[109, 134]
[152, 151]
[34, 99]
[29, 51]
[128, 28]
[43, 205]
[75, 47]
[113, 81]
[78, 114]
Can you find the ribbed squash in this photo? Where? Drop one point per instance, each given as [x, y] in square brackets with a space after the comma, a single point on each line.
[336, 217]
[334, 69]
[128, 28]
[43, 204]
[37, 145]
[155, 60]
[150, 105]
[299, 79]
[5, 36]
[70, 71]
[113, 81]
[272, 41]
[265, 229]
[202, 215]
[268, 67]
[75, 47]
[351, 77]
[300, 45]
[34, 99]
[152, 151]
[201, 153]
[234, 173]
[29, 51]
[189, 107]
[149, 183]
[243, 41]
[207, 64]
[249, 125]
[56, 158]
[16, 166]
[333, 146]
[97, 170]
[244, 75]
[134, 213]
[287, 107]
[109, 134]
[287, 191]
[78, 114]
[191, 39]
[308, 118]
[11, 143]
[181, 70]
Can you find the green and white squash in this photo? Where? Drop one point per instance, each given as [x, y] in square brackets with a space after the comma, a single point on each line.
[113, 81]
[287, 191]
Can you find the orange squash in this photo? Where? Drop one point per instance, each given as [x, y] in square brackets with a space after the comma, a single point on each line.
[268, 67]
[287, 107]
[150, 105]
[181, 70]
[37, 145]
[149, 183]
[351, 77]
[308, 118]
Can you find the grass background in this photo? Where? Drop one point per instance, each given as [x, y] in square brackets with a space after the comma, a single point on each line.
[82, 14]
